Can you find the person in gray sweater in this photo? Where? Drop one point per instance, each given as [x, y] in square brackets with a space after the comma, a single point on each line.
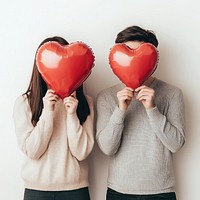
[140, 130]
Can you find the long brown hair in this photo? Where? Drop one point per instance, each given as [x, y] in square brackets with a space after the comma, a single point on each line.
[37, 89]
[136, 33]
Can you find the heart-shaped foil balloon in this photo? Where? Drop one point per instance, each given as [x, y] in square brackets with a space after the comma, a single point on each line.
[64, 67]
[133, 66]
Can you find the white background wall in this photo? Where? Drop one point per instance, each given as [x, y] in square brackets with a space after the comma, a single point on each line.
[24, 24]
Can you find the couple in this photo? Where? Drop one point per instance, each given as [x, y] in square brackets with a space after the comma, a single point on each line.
[138, 129]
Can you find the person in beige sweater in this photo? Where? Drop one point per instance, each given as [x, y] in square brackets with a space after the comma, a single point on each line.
[56, 137]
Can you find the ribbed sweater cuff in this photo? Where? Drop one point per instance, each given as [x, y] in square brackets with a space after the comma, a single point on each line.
[118, 116]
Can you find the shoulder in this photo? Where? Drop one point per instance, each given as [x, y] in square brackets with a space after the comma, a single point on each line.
[21, 100]
[110, 92]
[167, 89]
[21, 105]
[90, 104]
[89, 99]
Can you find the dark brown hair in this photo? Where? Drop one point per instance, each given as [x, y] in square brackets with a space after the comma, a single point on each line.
[37, 89]
[136, 33]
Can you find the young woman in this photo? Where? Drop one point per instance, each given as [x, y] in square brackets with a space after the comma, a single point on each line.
[56, 137]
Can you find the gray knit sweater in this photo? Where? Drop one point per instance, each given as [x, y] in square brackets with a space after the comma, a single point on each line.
[140, 142]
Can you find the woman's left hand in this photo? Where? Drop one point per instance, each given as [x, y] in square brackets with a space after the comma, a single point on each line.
[146, 95]
[71, 103]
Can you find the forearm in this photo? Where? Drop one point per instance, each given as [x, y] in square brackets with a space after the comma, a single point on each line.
[80, 137]
[34, 141]
[109, 135]
[171, 135]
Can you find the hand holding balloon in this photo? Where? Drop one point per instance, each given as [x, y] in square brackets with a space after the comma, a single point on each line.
[71, 104]
[146, 95]
[125, 97]
[50, 99]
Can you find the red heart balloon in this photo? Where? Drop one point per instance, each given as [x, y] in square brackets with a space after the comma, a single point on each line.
[64, 67]
[133, 66]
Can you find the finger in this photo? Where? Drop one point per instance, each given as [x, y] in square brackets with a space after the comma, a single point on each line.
[50, 91]
[71, 100]
[147, 89]
[144, 97]
[128, 98]
[66, 101]
[70, 105]
[56, 97]
[127, 90]
[129, 93]
[53, 98]
[73, 94]
[144, 93]
[130, 89]
[50, 94]
[67, 104]
[140, 88]
[124, 98]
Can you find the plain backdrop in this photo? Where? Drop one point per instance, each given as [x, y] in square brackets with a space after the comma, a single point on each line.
[24, 24]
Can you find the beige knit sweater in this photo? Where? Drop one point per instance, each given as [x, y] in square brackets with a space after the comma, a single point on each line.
[55, 149]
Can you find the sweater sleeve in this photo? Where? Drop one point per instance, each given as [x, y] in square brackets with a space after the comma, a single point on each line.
[170, 129]
[33, 141]
[109, 126]
[81, 137]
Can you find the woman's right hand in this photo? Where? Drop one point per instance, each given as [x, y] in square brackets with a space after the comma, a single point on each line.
[125, 97]
[50, 99]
